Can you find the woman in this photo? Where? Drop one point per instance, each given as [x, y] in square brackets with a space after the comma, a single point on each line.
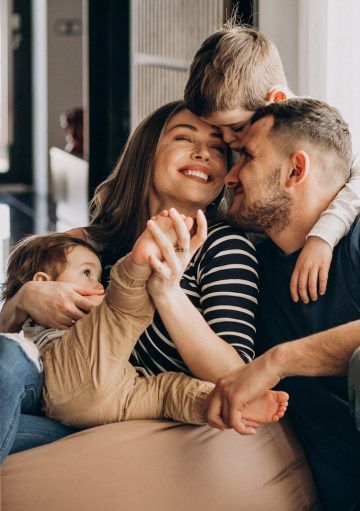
[172, 159]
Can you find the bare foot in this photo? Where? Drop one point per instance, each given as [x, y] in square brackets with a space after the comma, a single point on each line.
[270, 407]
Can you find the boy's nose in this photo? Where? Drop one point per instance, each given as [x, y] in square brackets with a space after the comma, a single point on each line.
[228, 135]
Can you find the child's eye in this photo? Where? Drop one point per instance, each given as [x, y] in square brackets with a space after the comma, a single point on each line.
[237, 129]
[87, 273]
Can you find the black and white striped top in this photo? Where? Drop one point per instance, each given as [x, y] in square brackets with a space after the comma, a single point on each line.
[222, 283]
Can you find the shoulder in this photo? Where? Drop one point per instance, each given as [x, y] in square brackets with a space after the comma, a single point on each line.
[221, 234]
[226, 241]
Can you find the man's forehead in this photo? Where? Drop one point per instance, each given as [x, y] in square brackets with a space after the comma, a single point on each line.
[261, 128]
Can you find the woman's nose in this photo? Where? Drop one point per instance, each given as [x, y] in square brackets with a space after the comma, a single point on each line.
[201, 152]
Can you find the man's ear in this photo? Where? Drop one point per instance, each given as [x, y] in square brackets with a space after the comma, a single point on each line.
[40, 275]
[277, 94]
[300, 168]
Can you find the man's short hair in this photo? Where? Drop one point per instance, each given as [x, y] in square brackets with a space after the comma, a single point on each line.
[234, 68]
[312, 122]
[43, 252]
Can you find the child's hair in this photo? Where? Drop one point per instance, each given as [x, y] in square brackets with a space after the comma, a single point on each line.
[235, 67]
[44, 252]
[317, 124]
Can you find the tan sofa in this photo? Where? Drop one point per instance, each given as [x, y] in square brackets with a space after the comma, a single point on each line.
[159, 465]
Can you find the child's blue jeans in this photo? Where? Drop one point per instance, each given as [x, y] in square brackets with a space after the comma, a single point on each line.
[21, 380]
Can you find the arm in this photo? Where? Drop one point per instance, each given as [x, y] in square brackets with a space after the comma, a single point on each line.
[312, 267]
[335, 222]
[210, 344]
[52, 304]
[323, 354]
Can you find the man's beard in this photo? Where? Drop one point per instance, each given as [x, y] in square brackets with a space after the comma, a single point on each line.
[269, 214]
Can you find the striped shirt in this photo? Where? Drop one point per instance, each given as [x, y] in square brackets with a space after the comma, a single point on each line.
[222, 283]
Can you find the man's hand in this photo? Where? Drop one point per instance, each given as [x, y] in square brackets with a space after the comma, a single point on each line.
[233, 392]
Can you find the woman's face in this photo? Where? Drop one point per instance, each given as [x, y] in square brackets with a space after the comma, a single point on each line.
[190, 164]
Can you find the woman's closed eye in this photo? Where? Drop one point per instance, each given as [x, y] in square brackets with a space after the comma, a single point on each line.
[218, 147]
[184, 137]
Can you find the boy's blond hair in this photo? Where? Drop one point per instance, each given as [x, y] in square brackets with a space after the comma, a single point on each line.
[235, 67]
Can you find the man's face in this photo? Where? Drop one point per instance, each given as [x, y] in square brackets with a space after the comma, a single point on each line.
[261, 202]
[232, 124]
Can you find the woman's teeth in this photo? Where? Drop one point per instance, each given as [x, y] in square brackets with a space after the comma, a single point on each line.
[196, 173]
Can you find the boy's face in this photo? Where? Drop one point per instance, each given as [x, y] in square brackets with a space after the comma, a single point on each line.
[232, 124]
[83, 269]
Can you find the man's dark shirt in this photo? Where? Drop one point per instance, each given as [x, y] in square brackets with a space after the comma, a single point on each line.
[318, 406]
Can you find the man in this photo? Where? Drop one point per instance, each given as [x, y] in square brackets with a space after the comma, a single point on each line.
[296, 156]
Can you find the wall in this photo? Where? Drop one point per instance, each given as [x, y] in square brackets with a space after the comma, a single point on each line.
[319, 42]
[279, 20]
[64, 66]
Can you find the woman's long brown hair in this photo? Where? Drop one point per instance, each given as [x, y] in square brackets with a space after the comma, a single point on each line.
[120, 207]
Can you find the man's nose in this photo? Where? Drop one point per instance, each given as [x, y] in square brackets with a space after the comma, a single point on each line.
[232, 177]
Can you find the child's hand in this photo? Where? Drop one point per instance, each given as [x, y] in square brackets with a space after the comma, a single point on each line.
[311, 271]
[175, 257]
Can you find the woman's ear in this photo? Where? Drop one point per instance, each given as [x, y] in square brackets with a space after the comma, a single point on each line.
[41, 276]
[300, 168]
[278, 93]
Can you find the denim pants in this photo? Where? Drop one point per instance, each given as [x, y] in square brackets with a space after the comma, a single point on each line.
[21, 381]
[354, 386]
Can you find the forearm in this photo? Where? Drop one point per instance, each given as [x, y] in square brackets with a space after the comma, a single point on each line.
[108, 334]
[207, 356]
[324, 354]
[13, 315]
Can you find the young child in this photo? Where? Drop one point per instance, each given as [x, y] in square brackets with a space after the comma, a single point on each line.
[236, 71]
[88, 378]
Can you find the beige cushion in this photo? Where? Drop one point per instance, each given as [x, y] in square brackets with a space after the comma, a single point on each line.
[159, 465]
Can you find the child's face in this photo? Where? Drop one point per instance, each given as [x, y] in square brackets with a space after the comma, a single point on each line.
[83, 269]
[232, 124]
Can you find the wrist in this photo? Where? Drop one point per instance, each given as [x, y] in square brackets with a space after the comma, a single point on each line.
[167, 295]
[136, 270]
[21, 299]
[278, 360]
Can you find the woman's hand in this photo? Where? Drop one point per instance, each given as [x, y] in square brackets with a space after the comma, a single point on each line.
[175, 253]
[311, 271]
[56, 304]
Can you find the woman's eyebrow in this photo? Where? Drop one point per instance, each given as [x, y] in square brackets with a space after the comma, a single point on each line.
[191, 127]
[188, 126]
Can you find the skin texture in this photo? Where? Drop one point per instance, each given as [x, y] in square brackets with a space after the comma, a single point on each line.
[311, 270]
[188, 143]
